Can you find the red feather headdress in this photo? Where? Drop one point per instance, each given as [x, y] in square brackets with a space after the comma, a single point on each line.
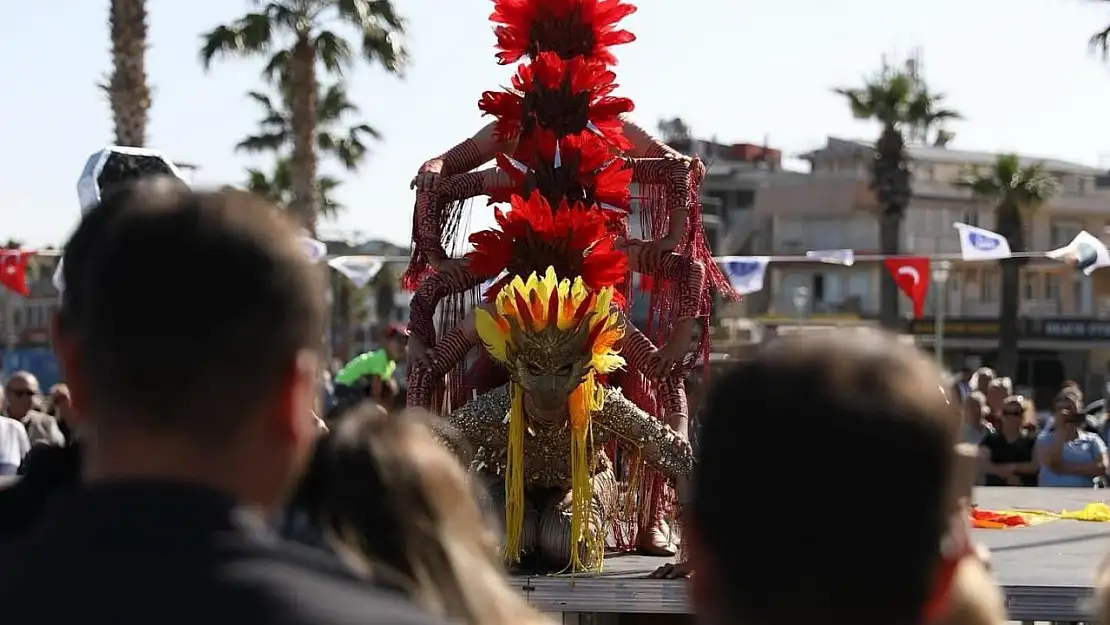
[569, 28]
[566, 97]
[567, 132]
[574, 239]
[577, 168]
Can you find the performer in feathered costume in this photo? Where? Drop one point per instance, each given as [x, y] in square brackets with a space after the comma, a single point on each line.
[565, 164]
[540, 438]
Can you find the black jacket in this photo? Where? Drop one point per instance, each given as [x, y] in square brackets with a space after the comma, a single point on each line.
[171, 554]
[46, 473]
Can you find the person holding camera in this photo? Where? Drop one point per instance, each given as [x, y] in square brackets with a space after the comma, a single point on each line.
[1068, 455]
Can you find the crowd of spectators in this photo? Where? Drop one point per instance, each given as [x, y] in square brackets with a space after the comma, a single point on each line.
[1067, 448]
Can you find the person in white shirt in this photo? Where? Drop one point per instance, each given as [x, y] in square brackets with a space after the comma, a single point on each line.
[14, 444]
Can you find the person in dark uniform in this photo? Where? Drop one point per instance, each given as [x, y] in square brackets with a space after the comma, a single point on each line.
[189, 338]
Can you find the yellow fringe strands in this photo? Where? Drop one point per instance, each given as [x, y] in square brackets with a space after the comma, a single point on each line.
[514, 477]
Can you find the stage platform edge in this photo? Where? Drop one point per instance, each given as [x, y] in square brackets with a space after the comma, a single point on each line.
[625, 594]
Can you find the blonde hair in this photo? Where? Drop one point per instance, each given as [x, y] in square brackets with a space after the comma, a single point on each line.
[397, 505]
[974, 598]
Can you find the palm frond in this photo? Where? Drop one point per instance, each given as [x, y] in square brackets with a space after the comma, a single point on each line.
[333, 52]
[266, 142]
[858, 102]
[250, 34]
[1100, 42]
[381, 32]
[333, 103]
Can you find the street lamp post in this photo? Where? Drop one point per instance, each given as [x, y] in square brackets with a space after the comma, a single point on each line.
[941, 269]
[801, 301]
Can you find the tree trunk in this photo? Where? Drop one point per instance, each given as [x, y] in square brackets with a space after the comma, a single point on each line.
[1008, 329]
[303, 121]
[384, 293]
[890, 180]
[1011, 225]
[890, 239]
[128, 92]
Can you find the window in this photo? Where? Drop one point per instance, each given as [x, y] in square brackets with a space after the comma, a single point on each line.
[818, 287]
[1029, 290]
[971, 218]
[1052, 287]
[988, 287]
[1080, 305]
[1063, 231]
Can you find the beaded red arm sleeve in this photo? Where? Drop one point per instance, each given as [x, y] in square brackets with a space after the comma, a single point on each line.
[458, 160]
[429, 228]
[435, 287]
[672, 174]
[427, 225]
[637, 350]
[451, 349]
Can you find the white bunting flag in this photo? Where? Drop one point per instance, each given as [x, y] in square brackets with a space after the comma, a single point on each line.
[360, 270]
[1085, 252]
[847, 258]
[315, 250]
[981, 244]
[745, 273]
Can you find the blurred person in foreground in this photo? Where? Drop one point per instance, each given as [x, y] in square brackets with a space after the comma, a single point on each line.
[386, 496]
[22, 395]
[197, 422]
[860, 393]
[1069, 455]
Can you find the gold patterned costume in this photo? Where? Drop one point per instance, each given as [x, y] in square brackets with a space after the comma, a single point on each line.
[543, 434]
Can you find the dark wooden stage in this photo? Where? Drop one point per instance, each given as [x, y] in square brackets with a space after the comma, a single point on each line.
[1046, 570]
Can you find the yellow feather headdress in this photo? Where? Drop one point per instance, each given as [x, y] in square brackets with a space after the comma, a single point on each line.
[562, 326]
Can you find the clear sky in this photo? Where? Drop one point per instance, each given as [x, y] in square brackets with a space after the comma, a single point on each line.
[737, 70]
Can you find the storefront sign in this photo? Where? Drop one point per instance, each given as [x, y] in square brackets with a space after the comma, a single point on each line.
[1060, 329]
[1070, 329]
[957, 327]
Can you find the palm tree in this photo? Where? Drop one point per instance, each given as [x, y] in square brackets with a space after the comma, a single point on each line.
[297, 38]
[277, 186]
[1101, 40]
[347, 145]
[1017, 192]
[903, 105]
[127, 88]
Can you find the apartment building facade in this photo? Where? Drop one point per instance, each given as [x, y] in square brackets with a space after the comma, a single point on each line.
[1066, 316]
[26, 324]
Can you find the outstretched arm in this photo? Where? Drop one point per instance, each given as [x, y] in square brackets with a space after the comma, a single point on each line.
[479, 423]
[646, 146]
[470, 154]
[662, 448]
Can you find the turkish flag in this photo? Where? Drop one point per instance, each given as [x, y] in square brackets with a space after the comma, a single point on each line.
[911, 273]
[13, 270]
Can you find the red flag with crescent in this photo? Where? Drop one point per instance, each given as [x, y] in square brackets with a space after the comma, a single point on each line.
[13, 270]
[911, 274]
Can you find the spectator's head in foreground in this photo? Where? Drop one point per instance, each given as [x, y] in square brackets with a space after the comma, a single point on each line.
[879, 428]
[397, 505]
[188, 334]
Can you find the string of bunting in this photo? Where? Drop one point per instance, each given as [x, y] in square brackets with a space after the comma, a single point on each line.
[746, 273]
[1085, 253]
